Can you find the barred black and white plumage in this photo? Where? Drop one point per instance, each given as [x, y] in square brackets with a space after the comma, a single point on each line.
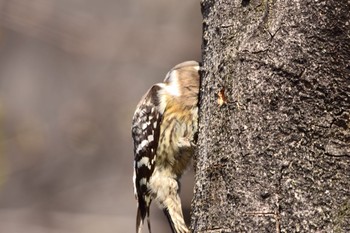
[164, 128]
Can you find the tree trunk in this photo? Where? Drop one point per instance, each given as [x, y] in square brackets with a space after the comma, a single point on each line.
[274, 141]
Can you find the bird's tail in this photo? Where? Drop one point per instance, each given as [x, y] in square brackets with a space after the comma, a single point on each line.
[176, 221]
[142, 213]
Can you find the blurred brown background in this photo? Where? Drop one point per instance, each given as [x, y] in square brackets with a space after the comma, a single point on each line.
[71, 74]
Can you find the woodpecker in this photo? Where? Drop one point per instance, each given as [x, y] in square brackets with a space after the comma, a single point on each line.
[164, 131]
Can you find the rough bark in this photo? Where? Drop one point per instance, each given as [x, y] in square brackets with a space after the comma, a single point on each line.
[274, 141]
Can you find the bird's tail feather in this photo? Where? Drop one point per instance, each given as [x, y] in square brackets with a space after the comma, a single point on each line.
[171, 223]
[140, 218]
[176, 221]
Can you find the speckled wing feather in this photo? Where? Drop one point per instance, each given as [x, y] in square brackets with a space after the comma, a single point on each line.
[145, 133]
